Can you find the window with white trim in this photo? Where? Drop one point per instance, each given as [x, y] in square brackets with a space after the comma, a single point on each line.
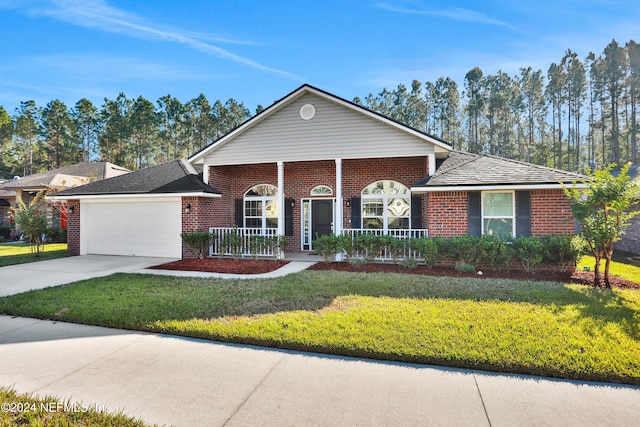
[261, 207]
[386, 205]
[498, 214]
[321, 190]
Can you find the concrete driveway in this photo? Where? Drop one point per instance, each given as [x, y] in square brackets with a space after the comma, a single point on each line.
[42, 274]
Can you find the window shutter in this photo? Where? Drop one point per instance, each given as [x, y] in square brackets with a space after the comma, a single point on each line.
[288, 217]
[239, 212]
[416, 212]
[523, 213]
[475, 213]
[356, 212]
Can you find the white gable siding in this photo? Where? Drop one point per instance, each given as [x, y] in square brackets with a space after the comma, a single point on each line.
[335, 132]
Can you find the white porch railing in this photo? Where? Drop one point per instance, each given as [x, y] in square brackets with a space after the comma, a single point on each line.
[236, 241]
[385, 254]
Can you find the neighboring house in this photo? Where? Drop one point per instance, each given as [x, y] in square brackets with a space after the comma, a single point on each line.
[5, 204]
[630, 241]
[27, 187]
[314, 164]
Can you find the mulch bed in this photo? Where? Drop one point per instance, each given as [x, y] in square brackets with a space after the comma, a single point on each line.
[224, 265]
[249, 266]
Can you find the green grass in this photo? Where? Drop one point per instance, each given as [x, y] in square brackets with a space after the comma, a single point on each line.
[26, 410]
[626, 271]
[20, 253]
[541, 328]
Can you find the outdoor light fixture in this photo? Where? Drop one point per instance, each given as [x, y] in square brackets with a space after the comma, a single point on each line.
[187, 207]
[72, 209]
[293, 203]
[348, 203]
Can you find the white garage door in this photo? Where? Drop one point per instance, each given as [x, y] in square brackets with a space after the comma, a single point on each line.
[122, 227]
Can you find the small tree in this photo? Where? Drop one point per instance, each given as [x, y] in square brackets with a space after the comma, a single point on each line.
[602, 210]
[33, 221]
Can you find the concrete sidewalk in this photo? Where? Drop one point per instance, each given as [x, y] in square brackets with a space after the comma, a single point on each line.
[42, 274]
[289, 268]
[186, 382]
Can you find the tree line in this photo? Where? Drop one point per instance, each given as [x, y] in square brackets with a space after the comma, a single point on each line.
[581, 115]
[134, 133]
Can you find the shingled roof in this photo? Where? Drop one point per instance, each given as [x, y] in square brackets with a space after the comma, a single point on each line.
[467, 170]
[174, 177]
[95, 171]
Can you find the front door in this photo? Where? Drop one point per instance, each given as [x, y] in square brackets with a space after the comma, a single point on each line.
[321, 217]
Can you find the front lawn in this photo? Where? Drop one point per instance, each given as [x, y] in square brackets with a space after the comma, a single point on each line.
[26, 410]
[541, 328]
[20, 253]
[624, 270]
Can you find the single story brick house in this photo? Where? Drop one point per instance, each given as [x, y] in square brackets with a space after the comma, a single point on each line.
[25, 188]
[313, 164]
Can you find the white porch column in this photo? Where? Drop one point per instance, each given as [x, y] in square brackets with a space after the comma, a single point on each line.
[337, 221]
[281, 198]
[205, 173]
[432, 164]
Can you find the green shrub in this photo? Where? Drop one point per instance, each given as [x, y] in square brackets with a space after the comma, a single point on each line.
[357, 262]
[5, 232]
[561, 252]
[465, 267]
[233, 242]
[276, 244]
[469, 250]
[498, 253]
[394, 247]
[57, 235]
[198, 242]
[427, 249]
[529, 251]
[327, 246]
[346, 246]
[368, 246]
[257, 245]
[410, 263]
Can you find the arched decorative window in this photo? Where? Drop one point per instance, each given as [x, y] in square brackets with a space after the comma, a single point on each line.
[386, 205]
[321, 190]
[261, 207]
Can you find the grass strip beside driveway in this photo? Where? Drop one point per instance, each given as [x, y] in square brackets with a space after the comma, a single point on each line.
[27, 410]
[539, 328]
[20, 253]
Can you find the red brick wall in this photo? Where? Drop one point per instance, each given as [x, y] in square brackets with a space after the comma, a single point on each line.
[201, 214]
[447, 214]
[73, 227]
[550, 213]
[301, 177]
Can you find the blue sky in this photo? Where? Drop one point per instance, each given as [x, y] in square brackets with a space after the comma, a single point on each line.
[258, 51]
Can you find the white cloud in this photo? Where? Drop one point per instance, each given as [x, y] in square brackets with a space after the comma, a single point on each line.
[456, 14]
[99, 15]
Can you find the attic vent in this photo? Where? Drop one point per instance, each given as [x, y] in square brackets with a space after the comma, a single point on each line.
[307, 112]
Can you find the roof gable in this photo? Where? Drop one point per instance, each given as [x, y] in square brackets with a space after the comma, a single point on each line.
[337, 129]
